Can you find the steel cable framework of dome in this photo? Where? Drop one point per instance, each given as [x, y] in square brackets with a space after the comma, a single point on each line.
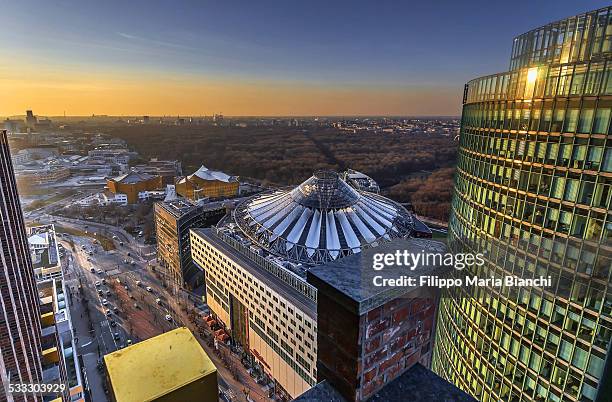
[321, 220]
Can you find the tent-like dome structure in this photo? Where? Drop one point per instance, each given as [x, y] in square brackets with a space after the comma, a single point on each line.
[322, 219]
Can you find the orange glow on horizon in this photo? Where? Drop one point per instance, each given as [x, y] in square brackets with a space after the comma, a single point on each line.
[52, 91]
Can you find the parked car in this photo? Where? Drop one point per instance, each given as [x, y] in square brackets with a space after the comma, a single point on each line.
[108, 313]
[158, 301]
[116, 336]
[100, 271]
[92, 270]
[149, 289]
[168, 317]
[138, 283]
[104, 302]
[97, 284]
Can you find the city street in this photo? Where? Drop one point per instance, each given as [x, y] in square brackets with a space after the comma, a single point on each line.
[139, 304]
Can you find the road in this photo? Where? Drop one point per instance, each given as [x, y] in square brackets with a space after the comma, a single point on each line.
[140, 314]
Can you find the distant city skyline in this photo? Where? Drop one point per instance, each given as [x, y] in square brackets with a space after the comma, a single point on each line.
[280, 59]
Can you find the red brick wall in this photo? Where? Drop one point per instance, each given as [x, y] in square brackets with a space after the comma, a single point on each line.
[360, 354]
[396, 335]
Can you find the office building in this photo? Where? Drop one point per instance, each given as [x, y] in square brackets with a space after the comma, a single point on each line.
[20, 335]
[168, 367]
[135, 186]
[207, 184]
[173, 220]
[44, 251]
[255, 263]
[532, 193]
[59, 357]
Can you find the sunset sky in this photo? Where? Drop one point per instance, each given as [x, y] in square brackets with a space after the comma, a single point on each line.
[257, 57]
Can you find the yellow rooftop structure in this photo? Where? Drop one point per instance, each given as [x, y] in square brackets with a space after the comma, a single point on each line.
[169, 367]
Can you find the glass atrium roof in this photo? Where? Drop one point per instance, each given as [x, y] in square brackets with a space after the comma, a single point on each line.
[321, 220]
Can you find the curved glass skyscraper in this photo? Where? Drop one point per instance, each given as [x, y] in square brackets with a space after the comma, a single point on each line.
[532, 193]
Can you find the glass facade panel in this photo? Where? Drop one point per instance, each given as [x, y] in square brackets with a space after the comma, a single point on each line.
[533, 193]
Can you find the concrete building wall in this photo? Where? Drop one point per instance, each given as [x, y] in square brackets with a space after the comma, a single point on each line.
[279, 332]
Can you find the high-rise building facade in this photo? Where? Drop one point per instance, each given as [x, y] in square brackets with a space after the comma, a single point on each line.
[532, 192]
[173, 220]
[20, 334]
[256, 259]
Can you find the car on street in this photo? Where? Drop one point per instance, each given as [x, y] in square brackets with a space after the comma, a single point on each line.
[129, 254]
[168, 317]
[133, 263]
[138, 283]
[116, 309]
[158, 301]
[112, 323]
[126, 287]
[116, 336]
[121, 243]
[104, 302]
[108, 313]
[149, 289]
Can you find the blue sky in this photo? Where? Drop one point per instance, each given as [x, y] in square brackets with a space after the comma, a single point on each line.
[429, 45]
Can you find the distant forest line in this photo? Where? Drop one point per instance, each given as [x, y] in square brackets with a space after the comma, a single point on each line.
[401, 164]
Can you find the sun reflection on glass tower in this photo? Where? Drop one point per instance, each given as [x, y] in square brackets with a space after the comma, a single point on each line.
[532, 193]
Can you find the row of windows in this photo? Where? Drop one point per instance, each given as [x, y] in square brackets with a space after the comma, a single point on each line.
[576, 115]
[525, 253]
[591, 79]
[288, 359]
[580, 37]
[498, 366]
[553, 327]
[545, 213]
[264, 304]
